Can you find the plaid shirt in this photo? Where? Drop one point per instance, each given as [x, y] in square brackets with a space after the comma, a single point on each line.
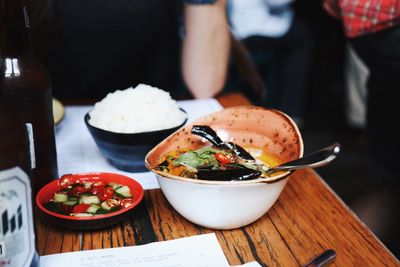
[364, 16]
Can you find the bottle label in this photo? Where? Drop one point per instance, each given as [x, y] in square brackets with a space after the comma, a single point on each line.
[17, 237]
[29, 128]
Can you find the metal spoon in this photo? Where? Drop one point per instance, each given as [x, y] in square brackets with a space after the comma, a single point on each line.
[313, 160]
[324, 259]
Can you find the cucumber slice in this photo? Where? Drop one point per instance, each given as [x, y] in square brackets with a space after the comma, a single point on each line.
[70, 202]
[59, 197]
[93, 209]
[87, 184]
[105, 206]
[83, 196]
[89, 200]
[114, 185]
[124, 191]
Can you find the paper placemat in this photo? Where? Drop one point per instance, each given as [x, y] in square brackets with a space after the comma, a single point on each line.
[77, 152]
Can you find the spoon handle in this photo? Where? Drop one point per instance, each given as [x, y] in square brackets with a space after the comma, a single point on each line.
[313, 160]
[323, 259]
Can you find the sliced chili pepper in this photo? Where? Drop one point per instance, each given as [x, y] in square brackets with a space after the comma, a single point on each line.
[79, 189]
[222, 158]
[126, 202]
[97, 190]
[80, 208]
[65, 181]
[113, 202]
[99, 183]
[107, 193]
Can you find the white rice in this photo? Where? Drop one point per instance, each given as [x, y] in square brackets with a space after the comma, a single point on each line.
[133, 110]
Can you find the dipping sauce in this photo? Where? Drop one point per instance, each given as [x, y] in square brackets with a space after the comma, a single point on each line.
[89, 198]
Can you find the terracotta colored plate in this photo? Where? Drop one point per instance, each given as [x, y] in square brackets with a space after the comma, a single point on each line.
[92, 222]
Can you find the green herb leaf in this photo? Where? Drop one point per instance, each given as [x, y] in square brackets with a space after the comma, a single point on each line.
[203, 157]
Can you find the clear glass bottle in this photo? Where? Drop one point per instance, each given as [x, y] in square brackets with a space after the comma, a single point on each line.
[25, 83]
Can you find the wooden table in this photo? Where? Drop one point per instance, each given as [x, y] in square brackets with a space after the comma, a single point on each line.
[307, 219]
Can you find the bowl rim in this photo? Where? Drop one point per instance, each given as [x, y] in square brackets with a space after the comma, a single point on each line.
[269, 180]
[264, 180]
[155, 132]
[136, 202]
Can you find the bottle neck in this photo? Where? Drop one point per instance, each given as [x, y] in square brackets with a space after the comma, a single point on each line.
[15, 36]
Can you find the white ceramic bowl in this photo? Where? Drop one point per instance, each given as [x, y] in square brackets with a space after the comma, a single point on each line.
[224, 206]
[229, 204]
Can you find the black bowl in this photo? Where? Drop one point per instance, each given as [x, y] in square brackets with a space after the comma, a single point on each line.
[127, 151]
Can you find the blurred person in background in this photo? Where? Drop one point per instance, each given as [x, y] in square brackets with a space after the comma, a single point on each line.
[92, 48]
[372, 28]
[356, 75]
[281, 46]
[206, 47]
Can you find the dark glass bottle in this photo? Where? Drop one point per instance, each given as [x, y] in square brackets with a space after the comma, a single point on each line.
[18, 247]
[25, 83]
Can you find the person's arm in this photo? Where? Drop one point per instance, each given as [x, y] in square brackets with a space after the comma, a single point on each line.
[206, 48]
